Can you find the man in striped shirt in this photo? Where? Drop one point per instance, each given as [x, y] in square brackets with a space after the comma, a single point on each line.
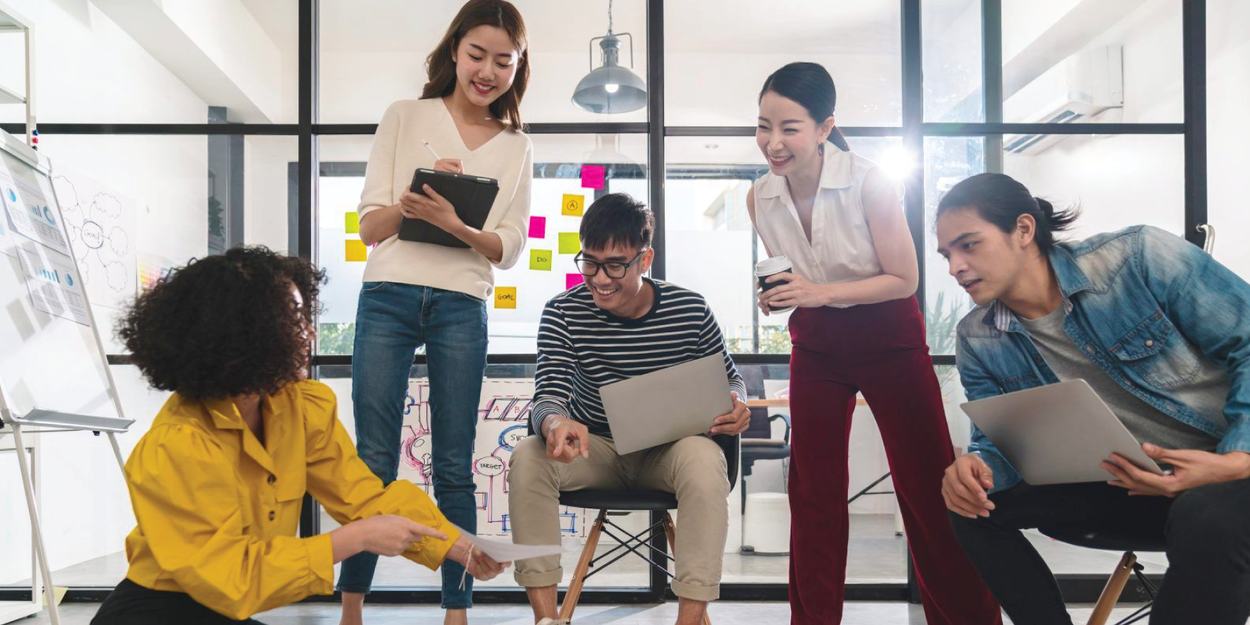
[619, 325]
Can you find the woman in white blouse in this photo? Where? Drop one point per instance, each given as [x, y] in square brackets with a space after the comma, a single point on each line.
[418, 294]
[857, 328]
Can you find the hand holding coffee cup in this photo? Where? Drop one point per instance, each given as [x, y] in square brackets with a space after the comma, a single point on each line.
[764, 270]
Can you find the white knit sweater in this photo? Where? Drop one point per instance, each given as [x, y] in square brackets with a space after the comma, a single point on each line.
[398, 151]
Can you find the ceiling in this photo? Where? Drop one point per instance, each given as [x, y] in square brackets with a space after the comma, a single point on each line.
[810, 26]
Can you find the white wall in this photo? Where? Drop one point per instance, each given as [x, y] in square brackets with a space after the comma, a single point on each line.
[1228, 100]
[90, 71]
[1129, 179]
[265, 190]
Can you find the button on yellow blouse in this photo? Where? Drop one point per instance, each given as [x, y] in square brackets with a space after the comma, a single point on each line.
[218, 512]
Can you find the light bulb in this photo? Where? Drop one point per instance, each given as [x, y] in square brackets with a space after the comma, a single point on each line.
[611, 87]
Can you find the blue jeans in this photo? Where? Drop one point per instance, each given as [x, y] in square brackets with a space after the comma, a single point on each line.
[392, 321]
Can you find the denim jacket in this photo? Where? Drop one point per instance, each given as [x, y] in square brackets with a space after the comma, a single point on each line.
[1145, 306]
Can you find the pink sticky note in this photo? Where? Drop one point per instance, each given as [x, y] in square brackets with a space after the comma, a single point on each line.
[592, 176]
[573, 279]
[538, 227]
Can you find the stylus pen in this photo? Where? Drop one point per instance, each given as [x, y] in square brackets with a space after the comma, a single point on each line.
[427, 146]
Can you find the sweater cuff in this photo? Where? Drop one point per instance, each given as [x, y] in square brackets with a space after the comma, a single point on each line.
[542, 409]
[321, 564]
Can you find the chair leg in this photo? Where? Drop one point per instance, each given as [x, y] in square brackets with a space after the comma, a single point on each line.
[671, 533]
[583, 565]
[1112, 591]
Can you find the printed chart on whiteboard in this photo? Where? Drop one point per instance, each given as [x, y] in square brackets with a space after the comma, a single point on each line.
[35, 237]
[54, 285]
[32, 213]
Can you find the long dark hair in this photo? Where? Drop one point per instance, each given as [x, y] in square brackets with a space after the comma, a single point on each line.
[442, 69]
[810, 85]
[1000, 200]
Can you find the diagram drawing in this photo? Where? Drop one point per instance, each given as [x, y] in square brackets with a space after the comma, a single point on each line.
[503, 422]
[101, 226]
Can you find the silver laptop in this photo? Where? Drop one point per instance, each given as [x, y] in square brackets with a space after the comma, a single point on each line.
[667, 405]
[1057, 434]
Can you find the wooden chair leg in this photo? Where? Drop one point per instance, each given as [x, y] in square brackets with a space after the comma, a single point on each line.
[671, 532]
[583, 565]
[1112, 591]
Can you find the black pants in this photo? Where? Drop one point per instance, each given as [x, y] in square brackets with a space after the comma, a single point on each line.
[1206, 530]
[132, 604]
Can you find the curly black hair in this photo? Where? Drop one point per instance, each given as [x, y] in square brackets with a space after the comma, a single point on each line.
[225, 325]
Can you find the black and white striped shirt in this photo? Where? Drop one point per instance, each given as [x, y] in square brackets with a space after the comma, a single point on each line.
[582, 348]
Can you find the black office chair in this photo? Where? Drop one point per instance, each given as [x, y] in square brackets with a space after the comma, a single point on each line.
[1108, 541]
[617, 502]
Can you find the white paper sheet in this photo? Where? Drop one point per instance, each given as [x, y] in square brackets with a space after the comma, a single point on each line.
[506, 551]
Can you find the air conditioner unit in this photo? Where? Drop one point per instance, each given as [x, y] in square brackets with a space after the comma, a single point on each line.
[1094, 83]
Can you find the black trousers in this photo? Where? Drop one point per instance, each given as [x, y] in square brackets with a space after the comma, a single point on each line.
[132, 604]
[1206, 530]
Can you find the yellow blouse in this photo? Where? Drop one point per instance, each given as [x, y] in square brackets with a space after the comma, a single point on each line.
[218, 512]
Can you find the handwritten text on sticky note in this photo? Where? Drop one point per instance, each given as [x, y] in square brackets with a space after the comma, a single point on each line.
[572, 205]
[505, 297]
[540, 260]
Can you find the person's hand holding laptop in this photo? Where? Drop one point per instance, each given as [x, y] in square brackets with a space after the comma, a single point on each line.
[1063, 433]
[657, 408]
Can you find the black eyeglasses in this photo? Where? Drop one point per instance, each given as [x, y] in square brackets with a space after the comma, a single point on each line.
[614, 269]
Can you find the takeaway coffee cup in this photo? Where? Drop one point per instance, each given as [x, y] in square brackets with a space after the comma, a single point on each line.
[770, 267]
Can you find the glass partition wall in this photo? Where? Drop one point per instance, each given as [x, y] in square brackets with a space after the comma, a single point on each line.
[1090, 103]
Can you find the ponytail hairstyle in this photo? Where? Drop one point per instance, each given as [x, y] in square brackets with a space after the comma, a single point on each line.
[441, 67]
[1000, 200]
[811, 86]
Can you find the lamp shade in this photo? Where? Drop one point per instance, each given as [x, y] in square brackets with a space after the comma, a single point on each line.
[610, 88]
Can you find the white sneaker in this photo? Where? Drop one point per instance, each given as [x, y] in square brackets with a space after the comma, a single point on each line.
[552, 621]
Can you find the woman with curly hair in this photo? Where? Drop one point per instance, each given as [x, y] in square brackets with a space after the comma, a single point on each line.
[218, 481]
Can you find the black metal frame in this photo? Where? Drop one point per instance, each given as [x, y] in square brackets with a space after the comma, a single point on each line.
[913, 130]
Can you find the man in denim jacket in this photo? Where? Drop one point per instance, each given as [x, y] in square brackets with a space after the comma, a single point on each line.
[1161, 331]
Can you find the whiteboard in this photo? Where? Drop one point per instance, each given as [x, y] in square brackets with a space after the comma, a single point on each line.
[53, 370]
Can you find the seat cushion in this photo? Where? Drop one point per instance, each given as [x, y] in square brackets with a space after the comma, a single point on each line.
[619, 499]
[1108, 541]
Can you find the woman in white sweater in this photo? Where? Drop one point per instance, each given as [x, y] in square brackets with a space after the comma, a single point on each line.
[418, 294]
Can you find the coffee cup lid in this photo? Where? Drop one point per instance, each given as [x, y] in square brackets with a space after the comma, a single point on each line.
[772, 265]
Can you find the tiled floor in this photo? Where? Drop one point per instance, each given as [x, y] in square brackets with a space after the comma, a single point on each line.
[857, 613]
[876, 555]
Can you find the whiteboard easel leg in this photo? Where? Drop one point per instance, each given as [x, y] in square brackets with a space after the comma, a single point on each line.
[117, 451]
[36, 528]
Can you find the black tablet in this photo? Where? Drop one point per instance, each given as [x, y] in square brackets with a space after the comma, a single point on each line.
[472, 196]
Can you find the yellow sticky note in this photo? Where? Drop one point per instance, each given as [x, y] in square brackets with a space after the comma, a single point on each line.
[505, 297]
[572, 205]
[570, 243]
[351, 222]
[540, 260]
[356, 251]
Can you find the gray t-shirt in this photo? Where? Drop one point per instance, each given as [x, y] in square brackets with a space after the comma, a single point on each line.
[1147, 424]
